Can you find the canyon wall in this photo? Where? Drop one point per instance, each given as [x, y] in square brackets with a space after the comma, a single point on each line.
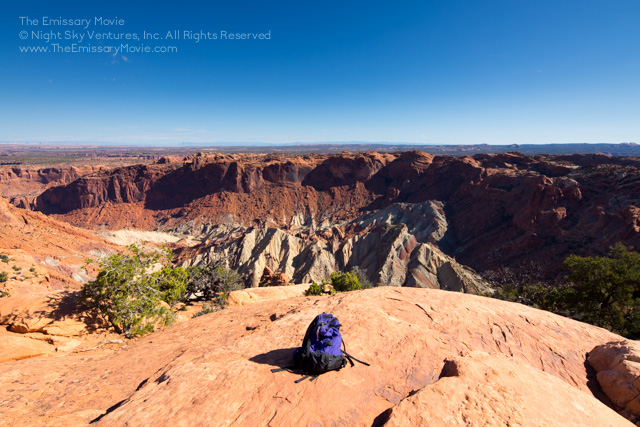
[500, 209]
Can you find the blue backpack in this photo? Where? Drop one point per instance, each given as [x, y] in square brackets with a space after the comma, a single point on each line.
[323, 349]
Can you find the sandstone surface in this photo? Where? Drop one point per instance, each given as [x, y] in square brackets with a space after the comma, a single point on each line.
[216, 369]
[254, 295]
[17, 347]
[53, 313]
[479, 389]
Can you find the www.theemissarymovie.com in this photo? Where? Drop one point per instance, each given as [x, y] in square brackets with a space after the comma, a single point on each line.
[106, 35]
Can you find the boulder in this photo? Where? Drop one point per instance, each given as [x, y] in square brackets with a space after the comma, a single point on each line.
[481, 389]
[618, 370]
[272, 293]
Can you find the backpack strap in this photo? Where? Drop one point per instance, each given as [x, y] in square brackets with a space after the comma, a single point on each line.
[286, 368]
[349, 357]
[313, 378]
[311, 329]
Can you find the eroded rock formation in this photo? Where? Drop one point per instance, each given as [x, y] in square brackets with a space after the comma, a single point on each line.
[395, 246]
[500, 209]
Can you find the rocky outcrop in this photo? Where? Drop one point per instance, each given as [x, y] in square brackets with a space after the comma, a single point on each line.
[120, 185]
[480, 389]
[269, 278]
[257, 249]
[422, 345]
[36, 322]
[618, 369]
[337, 171]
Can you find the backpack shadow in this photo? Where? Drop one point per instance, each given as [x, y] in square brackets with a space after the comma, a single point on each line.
[281, 358]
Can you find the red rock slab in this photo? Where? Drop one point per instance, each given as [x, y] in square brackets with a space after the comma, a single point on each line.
[216, 369]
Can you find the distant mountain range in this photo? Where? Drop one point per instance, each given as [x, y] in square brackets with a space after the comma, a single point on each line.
[621, 149]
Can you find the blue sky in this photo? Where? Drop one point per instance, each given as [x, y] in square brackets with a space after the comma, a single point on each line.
[429, 71]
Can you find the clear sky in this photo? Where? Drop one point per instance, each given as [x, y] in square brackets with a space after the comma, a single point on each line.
[423, 71]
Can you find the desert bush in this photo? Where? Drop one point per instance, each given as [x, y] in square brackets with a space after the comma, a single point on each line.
[4, 259]
[344, 282]
[339, 281]
[211, 282]
[16, 268]
[315, 290]
[3, 277]
[130, 290]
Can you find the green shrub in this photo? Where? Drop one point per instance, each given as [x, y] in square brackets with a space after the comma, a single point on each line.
[32, 269]
[606, 290]
[130, 289]
[212, 282]
[339, 281]
[315, 290]
[345, 282]
[3, 277]
[16, 268]
[4, 294]
[4, 259]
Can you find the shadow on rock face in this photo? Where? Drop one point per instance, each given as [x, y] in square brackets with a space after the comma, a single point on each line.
[594, 386]
[282, 358]
[66, 305]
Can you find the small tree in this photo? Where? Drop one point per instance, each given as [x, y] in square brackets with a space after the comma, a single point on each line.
[606, 290]
[130, 289]
[3, 277]
[212, 282]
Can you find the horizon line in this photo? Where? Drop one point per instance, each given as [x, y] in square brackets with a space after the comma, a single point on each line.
[298, 144]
